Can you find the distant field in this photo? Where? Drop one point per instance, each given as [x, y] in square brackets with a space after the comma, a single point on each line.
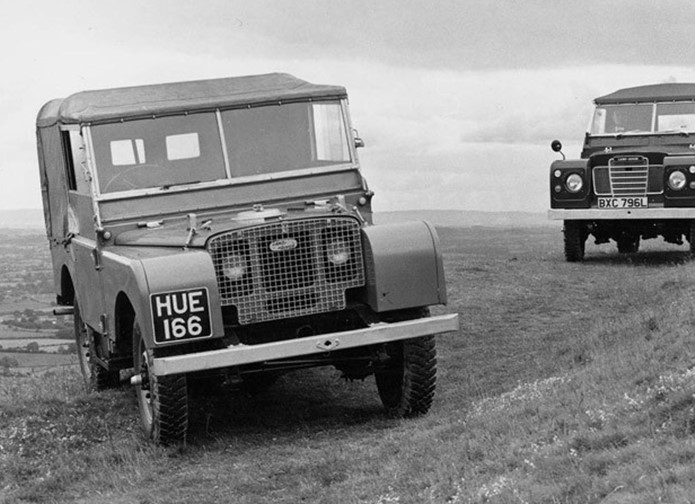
[46, 344]
[7, 332]
[567, 383]
[35, 302]
[31, 360]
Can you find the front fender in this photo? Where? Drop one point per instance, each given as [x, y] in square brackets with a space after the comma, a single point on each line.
[142, 273]
[404, 267]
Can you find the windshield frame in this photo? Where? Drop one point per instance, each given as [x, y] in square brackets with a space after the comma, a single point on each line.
[653, 123]
[229, 180]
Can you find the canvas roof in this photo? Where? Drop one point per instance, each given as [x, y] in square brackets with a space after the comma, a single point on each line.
[651, 93]
[161, 99]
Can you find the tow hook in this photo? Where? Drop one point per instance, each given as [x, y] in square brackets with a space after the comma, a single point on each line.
[141, 379]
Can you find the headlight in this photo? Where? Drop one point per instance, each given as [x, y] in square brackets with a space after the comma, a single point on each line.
[338, 252]
[234, 267]
[676, 180]
[574, 183]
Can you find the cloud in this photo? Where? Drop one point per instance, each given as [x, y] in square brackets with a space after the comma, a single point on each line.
[470, 35]
[435, 111]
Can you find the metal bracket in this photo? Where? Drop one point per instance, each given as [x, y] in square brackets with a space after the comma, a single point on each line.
[328, 344]
[63, 310]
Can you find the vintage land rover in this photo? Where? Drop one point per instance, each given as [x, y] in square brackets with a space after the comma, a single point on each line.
[223, 228]
[636, 176]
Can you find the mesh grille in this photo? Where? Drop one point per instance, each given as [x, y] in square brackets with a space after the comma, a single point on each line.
[627, 176]
[288, 268]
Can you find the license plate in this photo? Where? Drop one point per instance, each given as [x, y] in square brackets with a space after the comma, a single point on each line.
[642, 202]
[181, 315]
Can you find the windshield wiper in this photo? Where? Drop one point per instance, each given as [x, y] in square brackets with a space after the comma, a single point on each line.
[174, 184]
[676, 132]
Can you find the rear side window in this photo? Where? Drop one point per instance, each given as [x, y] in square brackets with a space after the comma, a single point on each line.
[73, 152]
[184, 146]
[128, 152]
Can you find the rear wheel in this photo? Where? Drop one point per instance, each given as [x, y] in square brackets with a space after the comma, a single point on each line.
[162, 400]
[575, 237]
[96, 377]
[407, 377]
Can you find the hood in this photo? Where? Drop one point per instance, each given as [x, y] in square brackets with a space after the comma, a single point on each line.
[673, 147]
[177, 233]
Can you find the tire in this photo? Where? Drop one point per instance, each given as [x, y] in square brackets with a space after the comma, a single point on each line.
[691, 237]
[628, 244]
[575, 237]
[162, 400]
[407, 381]
[96, 377]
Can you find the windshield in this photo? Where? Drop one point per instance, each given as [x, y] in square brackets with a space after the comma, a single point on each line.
[675, 117]
[188, 149]
[643, 118]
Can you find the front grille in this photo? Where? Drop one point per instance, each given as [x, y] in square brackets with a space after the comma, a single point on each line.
[628, 176]
[284, 269]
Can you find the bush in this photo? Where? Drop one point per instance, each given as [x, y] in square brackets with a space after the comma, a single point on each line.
[8, 362]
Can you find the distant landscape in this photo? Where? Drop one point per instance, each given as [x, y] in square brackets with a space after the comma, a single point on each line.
[31, 337]
[26, 218]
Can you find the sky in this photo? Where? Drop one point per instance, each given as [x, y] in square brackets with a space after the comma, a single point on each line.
[457, 101]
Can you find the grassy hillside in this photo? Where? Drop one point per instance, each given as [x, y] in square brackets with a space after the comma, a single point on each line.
[568, 383]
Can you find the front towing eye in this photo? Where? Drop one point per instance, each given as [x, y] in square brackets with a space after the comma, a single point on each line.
[141, 379]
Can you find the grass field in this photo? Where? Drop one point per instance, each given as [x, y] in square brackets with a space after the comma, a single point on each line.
[568, 383]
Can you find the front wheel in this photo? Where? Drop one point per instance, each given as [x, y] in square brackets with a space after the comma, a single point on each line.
[162, 400]
[407, 380]
[575, 236]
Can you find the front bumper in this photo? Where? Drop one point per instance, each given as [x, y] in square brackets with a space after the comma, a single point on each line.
[621, 213]
[236, 355]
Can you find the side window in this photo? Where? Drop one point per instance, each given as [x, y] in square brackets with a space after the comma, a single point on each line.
[69, 161]
[329, 131]
[73, 153]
